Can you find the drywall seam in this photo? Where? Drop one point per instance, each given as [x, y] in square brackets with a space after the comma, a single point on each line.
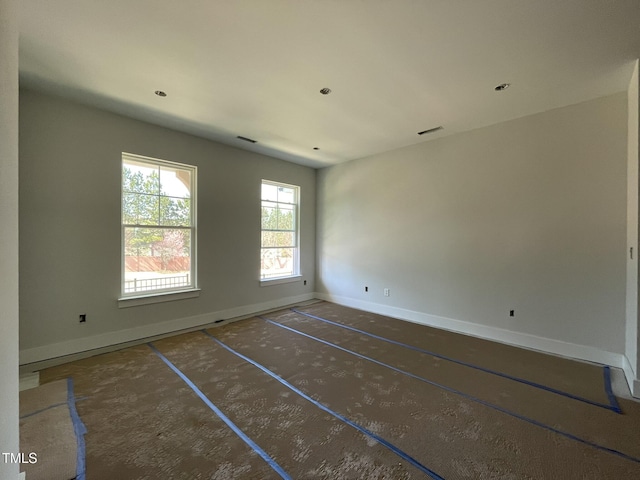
[547, 345]
[47, 352]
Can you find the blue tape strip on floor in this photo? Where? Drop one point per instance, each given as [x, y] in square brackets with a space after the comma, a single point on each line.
[264, 455]
[462, 394]
[80, 431]
[344, 419]
[613, 404]
[56, 405]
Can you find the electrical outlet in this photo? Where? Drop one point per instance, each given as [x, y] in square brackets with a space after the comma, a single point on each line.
[305, 282]
[512, 313]
[366, 289]
[82, 317]
[386, 292]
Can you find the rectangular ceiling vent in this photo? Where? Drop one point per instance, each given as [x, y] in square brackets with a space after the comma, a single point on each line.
[250, 140]
[431, 130]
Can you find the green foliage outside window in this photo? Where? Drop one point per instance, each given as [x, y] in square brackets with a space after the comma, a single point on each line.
[142, 206]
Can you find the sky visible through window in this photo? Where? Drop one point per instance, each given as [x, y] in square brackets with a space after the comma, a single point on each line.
[171, 185]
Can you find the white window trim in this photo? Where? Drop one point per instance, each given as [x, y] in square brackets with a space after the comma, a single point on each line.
[297, 274]
[135, 301]
[149, 297]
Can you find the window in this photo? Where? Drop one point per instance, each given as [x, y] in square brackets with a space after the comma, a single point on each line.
[280, 254]
[158, 226]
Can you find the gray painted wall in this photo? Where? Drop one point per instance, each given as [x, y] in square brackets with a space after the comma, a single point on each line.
[527, 215]
[70, 168]
[9, 19]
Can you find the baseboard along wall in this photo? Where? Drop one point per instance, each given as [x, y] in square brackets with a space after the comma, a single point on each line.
[524, 340]
[83, 347]
[125, 337]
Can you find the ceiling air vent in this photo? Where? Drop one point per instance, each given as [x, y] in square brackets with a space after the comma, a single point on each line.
[250, 140]
[431, 130]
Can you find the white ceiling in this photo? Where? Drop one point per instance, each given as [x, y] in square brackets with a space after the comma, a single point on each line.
[395, 67]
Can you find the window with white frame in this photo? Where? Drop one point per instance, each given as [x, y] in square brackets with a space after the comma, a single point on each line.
[280, 253]
[158, 226]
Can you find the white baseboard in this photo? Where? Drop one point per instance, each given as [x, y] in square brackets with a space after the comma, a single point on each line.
[29, 380]
[47, 352]
[557, 347]
[548, 345]
[629, 374]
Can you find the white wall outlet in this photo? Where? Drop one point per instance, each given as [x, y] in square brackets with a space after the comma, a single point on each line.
[386, 292]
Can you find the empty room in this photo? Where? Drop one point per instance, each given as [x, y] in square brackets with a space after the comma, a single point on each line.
[319, 239]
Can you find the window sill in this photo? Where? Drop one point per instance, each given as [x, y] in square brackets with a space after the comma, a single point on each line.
[280, 280]
[125, 302]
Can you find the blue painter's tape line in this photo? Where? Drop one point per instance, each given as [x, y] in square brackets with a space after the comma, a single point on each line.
[80, 431]
[264, 455]
[56, 405]
[462, 394]
[613, 406]
[607, 387]
[369, 433]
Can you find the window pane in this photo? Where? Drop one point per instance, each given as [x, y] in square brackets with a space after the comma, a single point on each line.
[156, 259]
[269, 216]
[158, 225]
[140, 178]
[175, 182]
[139, 209]
[286, 194]
[277, 262]
[286, 217]
[278, 239]
[175, 211]
[279, 252]
[269, 192]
